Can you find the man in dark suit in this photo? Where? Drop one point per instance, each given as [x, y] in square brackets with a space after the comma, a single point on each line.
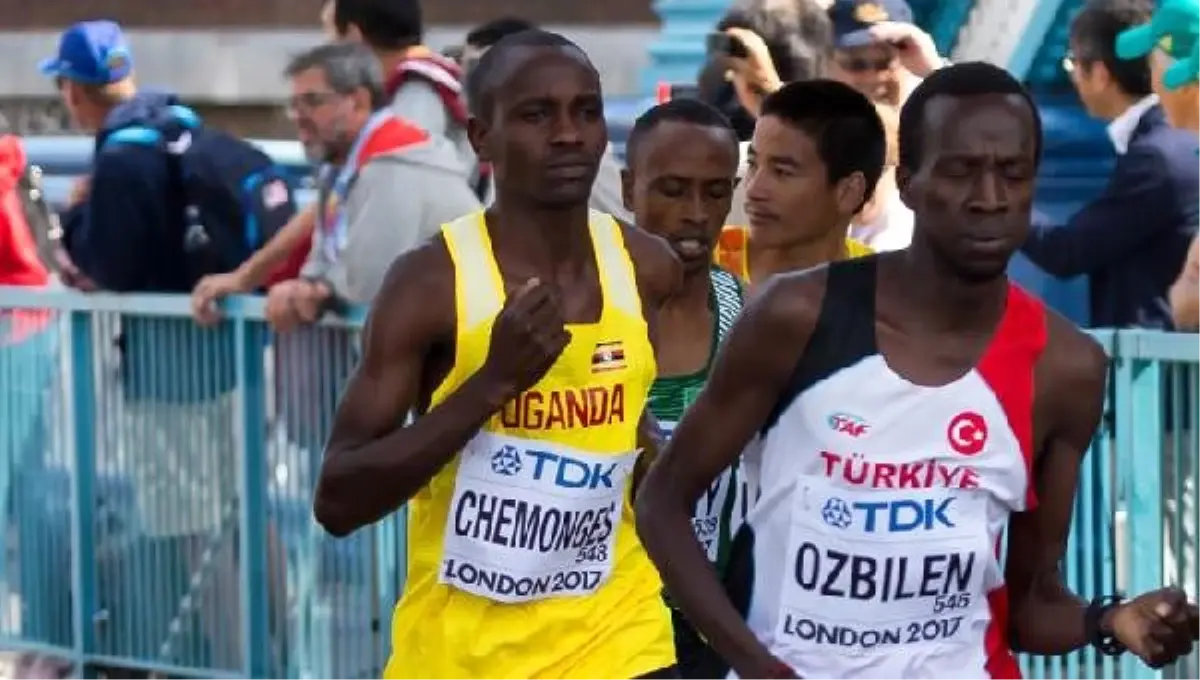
[1131, 240]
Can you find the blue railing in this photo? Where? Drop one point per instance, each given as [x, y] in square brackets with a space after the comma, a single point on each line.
[155, 496]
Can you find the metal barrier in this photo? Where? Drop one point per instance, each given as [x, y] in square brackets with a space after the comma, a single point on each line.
[156, 482]
[155, 494]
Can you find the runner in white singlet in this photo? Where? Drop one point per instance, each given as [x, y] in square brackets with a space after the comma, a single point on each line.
[897, 414]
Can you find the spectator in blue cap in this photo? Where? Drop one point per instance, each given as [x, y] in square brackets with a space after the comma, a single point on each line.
[177, 422]
[94, 74]
[878, 50]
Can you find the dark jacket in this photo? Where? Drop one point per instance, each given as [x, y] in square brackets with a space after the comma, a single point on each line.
[1131, 241]
[127, 236]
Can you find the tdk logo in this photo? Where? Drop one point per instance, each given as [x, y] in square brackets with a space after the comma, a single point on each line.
[844, 423]
[506, 461]
[569, 473]
[888, 516]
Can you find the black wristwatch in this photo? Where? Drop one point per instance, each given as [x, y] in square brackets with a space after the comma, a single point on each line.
[1102, 640]
[332, 303]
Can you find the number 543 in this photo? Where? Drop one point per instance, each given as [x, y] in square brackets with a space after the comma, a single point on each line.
[944, 603]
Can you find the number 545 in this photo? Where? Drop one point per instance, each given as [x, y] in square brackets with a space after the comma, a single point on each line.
[944, 603]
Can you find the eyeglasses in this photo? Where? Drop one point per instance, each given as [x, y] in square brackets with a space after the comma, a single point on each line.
[863, 64]
[307, 101]
[1071, 62]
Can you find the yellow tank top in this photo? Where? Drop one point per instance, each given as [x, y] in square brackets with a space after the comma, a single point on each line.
[733, 252]
[523, 560]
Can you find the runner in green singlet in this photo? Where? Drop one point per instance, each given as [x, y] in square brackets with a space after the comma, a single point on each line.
[682, 159]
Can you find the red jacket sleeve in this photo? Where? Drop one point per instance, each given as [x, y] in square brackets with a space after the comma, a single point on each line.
[20, 264]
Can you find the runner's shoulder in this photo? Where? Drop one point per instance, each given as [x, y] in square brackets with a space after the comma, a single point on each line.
[417, 295]
[659, 271]
[1073, 365]
[787, 306]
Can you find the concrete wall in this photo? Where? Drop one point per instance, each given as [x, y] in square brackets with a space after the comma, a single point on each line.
[302, 14]
[242, 67]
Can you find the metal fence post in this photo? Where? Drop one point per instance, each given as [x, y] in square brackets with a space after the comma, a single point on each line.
[255, 583]
[83, 535]
[1139, 427]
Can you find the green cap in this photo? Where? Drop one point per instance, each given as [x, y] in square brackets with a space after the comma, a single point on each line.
[1175, 29]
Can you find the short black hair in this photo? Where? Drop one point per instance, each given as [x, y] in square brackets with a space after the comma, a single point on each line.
[479, 81]
[968, 79]
[1094, 34]
[384, 24]
[798, 34]
[691, 111]
[490, 33]
[842, 123]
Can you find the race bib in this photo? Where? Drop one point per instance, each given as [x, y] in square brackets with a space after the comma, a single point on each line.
[531, 520]
[871, 571]
[706, 518]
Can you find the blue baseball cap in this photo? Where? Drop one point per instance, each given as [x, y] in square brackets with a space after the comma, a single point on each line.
[91, 52]
[852, 19]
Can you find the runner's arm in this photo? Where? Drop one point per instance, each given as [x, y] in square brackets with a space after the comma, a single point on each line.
[751, 370]
[651, 443]
[660, 276]
[374, 463]
[1047, 618]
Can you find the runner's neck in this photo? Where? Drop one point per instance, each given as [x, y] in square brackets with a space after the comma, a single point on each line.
[946, 299]
[764, 262]
[551, 239]
[694, 295]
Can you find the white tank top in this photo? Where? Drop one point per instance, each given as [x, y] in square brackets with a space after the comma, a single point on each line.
[872, 550]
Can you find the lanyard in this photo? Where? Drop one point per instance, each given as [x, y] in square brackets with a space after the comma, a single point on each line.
[337, 233]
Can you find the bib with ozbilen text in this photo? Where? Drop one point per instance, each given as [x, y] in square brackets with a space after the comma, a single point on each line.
[872, 571]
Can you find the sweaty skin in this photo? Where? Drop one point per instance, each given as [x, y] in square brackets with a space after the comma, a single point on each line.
[974, 192]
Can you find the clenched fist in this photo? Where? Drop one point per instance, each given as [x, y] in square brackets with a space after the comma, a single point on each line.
[527, 338]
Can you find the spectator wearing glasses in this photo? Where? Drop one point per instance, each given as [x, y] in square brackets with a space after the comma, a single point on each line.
[424, 88]
[1171, 41]
[878, 50]
[1131, 240]
[387, 184]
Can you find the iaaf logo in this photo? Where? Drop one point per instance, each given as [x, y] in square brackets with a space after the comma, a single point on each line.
[845, 423]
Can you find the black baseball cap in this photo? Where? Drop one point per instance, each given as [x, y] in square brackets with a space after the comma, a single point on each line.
[853, 19]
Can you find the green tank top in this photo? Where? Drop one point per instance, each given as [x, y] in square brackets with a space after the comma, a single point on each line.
[718, 513]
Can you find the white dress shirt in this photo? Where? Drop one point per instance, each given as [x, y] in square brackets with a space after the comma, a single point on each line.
[1121, 128]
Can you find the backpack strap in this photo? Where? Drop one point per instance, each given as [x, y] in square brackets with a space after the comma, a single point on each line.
[135, 135]
[181, 121]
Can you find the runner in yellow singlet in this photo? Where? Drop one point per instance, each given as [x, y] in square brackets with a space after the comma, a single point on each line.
[522, 338]
[817, 152]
